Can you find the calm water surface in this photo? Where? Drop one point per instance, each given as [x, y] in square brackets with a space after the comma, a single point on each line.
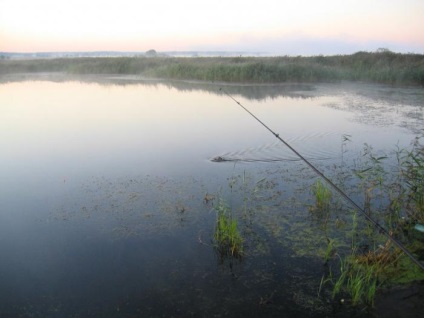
[103, 183]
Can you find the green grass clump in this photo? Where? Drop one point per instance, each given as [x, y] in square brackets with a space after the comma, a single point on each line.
[322, 195]
[362, 285]
[358, 281]
[227, 238]
[361, 275]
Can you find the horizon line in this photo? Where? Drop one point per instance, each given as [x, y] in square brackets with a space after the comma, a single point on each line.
[379, 50]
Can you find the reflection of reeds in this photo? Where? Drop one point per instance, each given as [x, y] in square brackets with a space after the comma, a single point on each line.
[227, 238]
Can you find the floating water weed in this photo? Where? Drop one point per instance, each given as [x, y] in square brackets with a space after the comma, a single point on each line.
[227, 238]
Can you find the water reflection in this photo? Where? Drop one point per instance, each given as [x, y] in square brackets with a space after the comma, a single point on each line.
[65, 127]
[383, 105]
[103, 185]
[249, 91]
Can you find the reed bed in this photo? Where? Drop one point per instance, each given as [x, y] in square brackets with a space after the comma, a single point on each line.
[381, 67]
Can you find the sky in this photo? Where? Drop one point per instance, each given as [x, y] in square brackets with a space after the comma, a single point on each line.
[296, 27]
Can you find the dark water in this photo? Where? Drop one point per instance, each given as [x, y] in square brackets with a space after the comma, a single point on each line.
[103, 183]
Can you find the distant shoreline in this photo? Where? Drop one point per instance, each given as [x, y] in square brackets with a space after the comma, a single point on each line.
[379, 67]
[150, 53]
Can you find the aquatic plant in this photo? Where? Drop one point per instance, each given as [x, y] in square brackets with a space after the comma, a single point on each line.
[338, 284]
[363, 273]
[357, 281]
[372, 262]
[372, 176]
[227, 238]
[413, 171]
[322, 195]
[361, 285]
[329, 250]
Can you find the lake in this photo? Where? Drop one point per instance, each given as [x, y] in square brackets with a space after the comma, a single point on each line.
[108, 193]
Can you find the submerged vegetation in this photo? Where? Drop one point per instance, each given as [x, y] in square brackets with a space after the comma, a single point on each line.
[382, 66]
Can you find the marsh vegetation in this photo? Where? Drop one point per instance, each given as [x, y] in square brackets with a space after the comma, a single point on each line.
[391, 198]
[381, 67]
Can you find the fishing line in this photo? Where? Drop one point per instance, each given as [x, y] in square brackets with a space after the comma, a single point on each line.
[336, 188]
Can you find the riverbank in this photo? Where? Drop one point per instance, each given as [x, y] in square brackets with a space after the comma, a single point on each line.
[379, 67]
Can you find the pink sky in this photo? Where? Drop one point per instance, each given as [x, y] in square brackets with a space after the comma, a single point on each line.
[283, 27]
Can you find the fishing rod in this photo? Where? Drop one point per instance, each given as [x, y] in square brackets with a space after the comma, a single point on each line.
[336, 188]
